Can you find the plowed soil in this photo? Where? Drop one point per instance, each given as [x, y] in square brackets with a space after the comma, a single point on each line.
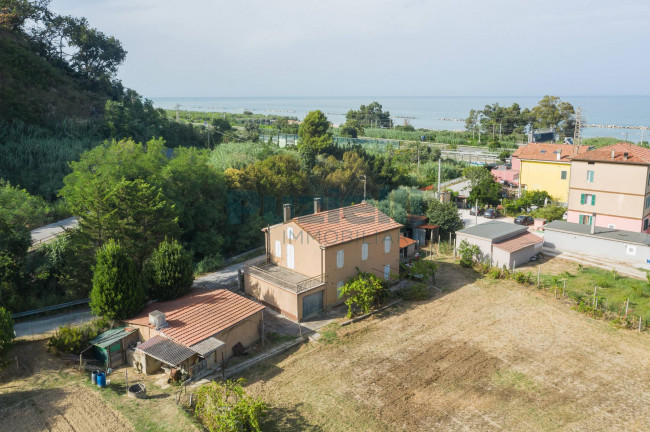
[63, 409]
[483, 355]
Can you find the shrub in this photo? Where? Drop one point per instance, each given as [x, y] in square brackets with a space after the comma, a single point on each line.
[117, 291]
[73, 340]
[469, 253]
[523, 278]
[363, 292]
[415, 291]
[6, 331]
[495, 273]
[168, 273]
[208, 264]
[225, 407]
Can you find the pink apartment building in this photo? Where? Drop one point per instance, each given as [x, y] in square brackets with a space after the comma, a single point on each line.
[610, 188]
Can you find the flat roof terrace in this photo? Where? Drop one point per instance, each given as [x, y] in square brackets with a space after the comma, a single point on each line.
[282, 277]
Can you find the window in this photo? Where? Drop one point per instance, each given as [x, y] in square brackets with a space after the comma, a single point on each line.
[290, 233]
[648, 179]
[364, 251]
[290, 263]
[340, 259]
[585, 219]
[563, 175]
[278, 248]
[590, 176]
[588, 199]
[645, 224]
[647, 201]
[338, 289]
[387, 242]
[386, 271]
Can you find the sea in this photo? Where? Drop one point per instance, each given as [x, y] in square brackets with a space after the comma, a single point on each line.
[437, 113]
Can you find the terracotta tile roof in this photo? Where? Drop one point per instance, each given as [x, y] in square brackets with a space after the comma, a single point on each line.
[428, 188]
[547, 152]
[636, 154]
[345, 224]
[405, 242]
[519, 242]
[199, 315]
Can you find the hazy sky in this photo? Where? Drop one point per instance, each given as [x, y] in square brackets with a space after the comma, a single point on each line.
[377, 47]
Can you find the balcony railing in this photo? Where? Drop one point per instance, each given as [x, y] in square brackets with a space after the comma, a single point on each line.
[261, 269]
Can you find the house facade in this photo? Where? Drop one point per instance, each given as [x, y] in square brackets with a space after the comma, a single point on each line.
[309, 258]
[610, 188]
[547, 167]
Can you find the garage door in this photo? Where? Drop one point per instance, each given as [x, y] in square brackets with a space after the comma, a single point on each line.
[312, 304]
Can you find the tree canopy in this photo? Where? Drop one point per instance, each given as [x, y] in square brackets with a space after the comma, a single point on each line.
[446, 215]
[371, 115]
[168, 273]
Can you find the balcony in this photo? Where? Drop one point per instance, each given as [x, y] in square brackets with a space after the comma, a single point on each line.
[282, 277]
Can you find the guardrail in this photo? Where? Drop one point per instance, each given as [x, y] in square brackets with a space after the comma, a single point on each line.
[50, 308]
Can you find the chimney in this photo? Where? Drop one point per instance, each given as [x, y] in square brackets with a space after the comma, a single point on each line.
[593, 223]
[286, 212]
[625, 155]
[559, 154]
[613, 154]
[317, 208]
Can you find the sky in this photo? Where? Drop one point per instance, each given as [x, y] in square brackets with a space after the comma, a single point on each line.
[248, 48]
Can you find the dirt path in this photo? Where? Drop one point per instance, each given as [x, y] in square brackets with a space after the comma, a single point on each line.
[487, 356]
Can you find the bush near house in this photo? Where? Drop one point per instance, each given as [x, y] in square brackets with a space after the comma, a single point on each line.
[363, 292]
[469, 253]
[73, 340]
[225, 407]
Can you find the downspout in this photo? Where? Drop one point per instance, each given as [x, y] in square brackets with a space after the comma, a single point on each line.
[267, 240]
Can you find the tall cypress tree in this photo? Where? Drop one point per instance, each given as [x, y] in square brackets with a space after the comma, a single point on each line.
[117, 291]
[168, 273]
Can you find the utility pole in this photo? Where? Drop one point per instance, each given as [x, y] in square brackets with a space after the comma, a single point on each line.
[363, 177]
[418, 158]
[178, 106]
[577, 130]
[439, 174]
[476, 213]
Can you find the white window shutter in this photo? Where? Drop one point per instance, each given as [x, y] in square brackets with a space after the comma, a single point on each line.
[278, 248]
[340, 258]
[364, 251]
[387, 244]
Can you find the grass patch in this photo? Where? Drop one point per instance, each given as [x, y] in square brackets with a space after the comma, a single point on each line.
[513, 380]
[416, 291]
[612, 293]
[329, 334]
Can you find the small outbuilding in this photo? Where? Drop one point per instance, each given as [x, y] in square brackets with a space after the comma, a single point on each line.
[502, 243]
[610, 243]
[110, 347]
[406, 248]
[195, 333]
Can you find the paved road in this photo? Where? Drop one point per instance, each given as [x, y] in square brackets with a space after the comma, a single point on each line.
[224, 278]
[48, 232]
[47, 324]
[462, 188]
[471, 220]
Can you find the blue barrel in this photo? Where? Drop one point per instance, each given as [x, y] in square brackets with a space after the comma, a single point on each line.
[93, 377]
[101, 379]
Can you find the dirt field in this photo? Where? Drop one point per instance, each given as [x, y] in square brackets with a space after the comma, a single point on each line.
[485, 356]
[44, 393]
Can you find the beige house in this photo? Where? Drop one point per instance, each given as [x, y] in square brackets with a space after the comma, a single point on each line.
[194, 333]
[309, 258]
[610, 188]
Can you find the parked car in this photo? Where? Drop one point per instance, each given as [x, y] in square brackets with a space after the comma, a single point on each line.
[491, 214]
[565, 216]
[524, 220]
[505, 183]
[472, 211]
